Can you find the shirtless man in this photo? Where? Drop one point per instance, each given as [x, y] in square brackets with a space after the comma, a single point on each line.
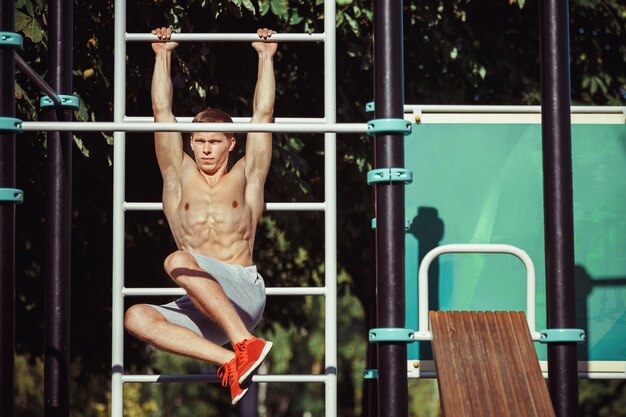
[213, 215]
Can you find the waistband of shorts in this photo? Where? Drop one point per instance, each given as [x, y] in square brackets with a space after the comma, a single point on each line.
[247, 268]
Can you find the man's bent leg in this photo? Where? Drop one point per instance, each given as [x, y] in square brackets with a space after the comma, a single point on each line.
[207, 292]
[147, 324]
[204, 290]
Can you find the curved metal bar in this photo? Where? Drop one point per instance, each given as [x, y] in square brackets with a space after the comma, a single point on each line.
[423, 332]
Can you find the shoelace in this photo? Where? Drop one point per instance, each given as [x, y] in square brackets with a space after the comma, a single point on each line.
[242, 352]
[227, 376]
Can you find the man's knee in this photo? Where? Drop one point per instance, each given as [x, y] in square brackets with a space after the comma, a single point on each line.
[140, 318]
[177, 260]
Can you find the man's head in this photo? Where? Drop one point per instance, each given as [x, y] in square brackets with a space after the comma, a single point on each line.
[211, 149]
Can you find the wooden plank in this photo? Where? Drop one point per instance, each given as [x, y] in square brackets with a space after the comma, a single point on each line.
[487, 366]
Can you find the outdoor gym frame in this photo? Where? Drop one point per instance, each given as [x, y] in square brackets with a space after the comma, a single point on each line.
[392, 384]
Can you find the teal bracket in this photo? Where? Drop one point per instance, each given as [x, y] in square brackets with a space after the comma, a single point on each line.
[10, 124]
[370, 374]
[12, 195]
[378, 126]
[66, 101]
[562, 335]
[11, 39]
[370, 107]
[389, 175]
[391, 335]
[407, 223]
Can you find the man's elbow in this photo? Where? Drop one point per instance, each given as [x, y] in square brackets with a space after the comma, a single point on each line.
[161, 111]
[264, 114]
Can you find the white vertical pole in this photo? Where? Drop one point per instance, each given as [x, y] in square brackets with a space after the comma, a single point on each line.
[330, 215]
[119, 146]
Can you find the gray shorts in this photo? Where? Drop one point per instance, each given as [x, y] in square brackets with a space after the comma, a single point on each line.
[243, 286]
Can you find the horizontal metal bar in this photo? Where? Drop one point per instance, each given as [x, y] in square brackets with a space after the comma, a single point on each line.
[268, 206]
[214, 378]
[228, 37]
[189, 119]
[193, 127]
[295, 206]
[581, 375]
[436, 108]
[179, 291]
[600, 375]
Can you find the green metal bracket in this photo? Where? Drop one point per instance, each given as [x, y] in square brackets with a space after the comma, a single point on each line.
[370, 107]
[562, 335]
[10, 124]
[391, 335]
[377, 126]
[407, 223]
[11, 39]
[390, 175]
[66, 101]
[12, 195]
[370, 374]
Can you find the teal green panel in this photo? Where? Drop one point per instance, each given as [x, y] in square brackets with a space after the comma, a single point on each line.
[483, 184]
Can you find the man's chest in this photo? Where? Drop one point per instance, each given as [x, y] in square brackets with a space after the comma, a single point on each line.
[223, 202]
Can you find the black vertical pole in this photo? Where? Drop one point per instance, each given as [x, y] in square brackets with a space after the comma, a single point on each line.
[558, 202]
[7, 219]
[389, 95]
[57, 320]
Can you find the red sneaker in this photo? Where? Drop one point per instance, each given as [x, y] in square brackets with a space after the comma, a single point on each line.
[250, 353]
[228, 373]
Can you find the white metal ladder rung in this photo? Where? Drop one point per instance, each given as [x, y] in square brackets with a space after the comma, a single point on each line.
[285, 206]
[147, 379]
[294, 291]
[189, 119]
[228, 37]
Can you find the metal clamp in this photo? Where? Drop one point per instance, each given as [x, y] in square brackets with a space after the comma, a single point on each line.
[390, 175]
[11, 39]
[370, 107]
[66, 101]
[561, 335]
[407, 223]
[377, 126]
[12, 195]
[391, 335]
[370, 374]
[10, 124]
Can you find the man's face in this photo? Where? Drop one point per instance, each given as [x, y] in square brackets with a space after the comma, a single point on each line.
[211, 150]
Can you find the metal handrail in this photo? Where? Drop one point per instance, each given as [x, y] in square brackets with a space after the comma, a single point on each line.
[423, 332]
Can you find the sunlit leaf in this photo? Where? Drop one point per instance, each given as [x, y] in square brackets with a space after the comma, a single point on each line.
[29, 26]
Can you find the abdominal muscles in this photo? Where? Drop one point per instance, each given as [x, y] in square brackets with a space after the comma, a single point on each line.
[219, 231]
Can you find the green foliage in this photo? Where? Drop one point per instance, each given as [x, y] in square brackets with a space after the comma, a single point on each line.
[602, 398]
[28, 386]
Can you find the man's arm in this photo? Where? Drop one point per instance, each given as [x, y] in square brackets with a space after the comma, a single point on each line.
[259, 145]
[168, 145]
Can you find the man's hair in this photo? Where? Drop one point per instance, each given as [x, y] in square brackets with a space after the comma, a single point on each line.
[210, 115]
